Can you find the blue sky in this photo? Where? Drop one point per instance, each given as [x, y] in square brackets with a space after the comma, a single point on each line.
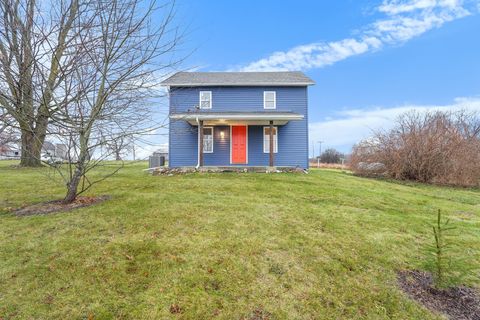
[371, 60]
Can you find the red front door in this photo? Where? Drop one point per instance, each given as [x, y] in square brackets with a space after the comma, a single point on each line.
[239, 144]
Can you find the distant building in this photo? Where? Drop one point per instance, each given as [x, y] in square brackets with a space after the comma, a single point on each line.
[58, 150]
[48, 148]
[13, 151]
[61, 150]
[161, 154]
[9, 152]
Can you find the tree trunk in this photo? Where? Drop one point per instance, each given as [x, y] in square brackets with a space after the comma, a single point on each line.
[72, 187]
[31, 149]
[78, 173]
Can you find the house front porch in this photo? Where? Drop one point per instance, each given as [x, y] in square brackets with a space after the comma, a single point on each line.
[237, 141]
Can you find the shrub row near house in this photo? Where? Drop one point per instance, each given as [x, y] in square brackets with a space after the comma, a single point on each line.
[433, 147]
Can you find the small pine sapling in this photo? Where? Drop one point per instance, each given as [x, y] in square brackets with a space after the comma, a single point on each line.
[439, 230]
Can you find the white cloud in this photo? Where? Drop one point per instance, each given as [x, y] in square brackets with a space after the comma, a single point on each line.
[397, 6]
[405, 19]
[353, 125]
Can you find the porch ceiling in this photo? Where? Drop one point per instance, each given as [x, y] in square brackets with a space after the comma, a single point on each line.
[228, 118]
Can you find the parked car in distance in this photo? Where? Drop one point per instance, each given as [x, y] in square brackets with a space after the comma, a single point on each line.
[51, 160]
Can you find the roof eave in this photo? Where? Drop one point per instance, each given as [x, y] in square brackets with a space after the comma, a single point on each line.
[246, 116]
[296, 84]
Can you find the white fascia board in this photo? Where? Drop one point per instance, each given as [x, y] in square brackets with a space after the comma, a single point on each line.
[237, 116]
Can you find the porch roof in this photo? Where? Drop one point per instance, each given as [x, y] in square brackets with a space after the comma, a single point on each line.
[254, 118]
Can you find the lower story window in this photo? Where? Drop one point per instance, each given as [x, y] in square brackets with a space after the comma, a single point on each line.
[208, 140]
[266, 140]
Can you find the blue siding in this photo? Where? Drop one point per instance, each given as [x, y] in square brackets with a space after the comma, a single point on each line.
[221, 148]
[183, 142]
[246, 99]
[292, 137]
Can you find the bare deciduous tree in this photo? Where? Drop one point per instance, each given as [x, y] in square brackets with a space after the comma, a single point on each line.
[34, 37]
[119, 146]
[125, 49]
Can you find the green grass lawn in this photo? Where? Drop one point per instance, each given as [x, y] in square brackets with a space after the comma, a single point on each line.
[227, 246]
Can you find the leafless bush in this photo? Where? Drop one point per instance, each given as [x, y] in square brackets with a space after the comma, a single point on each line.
[434, 147]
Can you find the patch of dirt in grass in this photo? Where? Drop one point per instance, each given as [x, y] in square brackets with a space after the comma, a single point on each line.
[464, 215]
[175, 309]
[58, 206]
[212, 285]
[457, 302]
[259, 314]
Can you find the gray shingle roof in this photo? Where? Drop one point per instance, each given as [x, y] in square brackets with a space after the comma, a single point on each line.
[282, 78]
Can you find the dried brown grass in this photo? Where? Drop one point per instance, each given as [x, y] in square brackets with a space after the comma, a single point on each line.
[329, 166]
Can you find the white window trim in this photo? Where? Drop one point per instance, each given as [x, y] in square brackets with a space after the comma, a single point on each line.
[274, 100]
[213, 139]
[200, 99]
[275, 141]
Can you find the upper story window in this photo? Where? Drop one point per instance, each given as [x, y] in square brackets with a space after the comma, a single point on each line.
[269, 100]
[208, 139]
[205, 100]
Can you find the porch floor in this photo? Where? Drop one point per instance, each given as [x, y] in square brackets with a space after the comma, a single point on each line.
[215, 169]
[244, 169]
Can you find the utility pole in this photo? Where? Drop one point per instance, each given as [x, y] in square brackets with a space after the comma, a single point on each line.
[313, 149]
[132, 140]
[319, 153]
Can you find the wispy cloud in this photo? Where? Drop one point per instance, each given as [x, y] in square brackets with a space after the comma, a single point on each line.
[403, 20]
[352, 125]
[399, 6]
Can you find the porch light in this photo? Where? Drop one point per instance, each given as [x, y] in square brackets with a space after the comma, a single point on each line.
[222, 134]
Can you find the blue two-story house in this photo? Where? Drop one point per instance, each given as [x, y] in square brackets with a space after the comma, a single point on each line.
[241, 119]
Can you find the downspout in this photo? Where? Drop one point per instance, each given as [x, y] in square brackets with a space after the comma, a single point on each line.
[198, 143]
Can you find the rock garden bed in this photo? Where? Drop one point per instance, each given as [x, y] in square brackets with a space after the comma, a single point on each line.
[185, 170]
